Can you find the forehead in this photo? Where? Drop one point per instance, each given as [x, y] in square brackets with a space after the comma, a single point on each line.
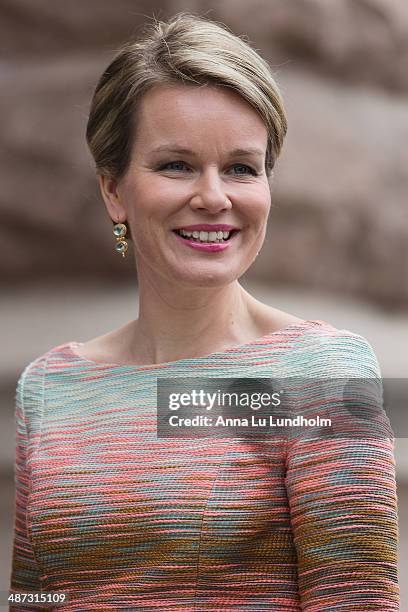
[197, 116]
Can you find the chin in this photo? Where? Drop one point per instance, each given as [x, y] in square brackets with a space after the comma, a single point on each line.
[206, 278]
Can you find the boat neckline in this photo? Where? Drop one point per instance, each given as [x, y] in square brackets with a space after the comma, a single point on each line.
[69, 347]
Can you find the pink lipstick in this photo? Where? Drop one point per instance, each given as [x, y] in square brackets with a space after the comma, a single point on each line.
[206, 246]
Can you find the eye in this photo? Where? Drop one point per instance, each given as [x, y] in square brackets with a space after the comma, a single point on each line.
[243, 169]
[174, 165]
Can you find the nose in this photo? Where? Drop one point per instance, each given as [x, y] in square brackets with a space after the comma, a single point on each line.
[209, 193]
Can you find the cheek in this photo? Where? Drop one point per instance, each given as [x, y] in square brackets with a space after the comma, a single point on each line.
[142, 207]
[257, 205]
[258, 211]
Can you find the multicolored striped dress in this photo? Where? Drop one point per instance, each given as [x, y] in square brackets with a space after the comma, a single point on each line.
[116, 518]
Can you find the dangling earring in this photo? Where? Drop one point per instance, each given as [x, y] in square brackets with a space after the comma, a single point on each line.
[119, 231]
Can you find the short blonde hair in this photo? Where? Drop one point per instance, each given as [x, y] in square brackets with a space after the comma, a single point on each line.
[188, 49]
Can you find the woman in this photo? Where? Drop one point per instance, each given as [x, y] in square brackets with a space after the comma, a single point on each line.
[185, 126]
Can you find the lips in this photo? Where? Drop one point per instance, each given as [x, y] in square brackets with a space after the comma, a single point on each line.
[207, 247]
[231, 232]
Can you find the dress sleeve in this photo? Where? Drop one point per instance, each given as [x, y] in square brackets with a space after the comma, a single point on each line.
[25, 573]
[343, 508]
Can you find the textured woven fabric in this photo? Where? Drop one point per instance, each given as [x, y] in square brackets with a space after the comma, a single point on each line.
[121, 520]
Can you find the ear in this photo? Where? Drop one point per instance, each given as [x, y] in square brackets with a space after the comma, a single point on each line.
[112, 199]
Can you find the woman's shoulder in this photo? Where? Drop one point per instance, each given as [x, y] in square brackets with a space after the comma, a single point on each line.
[340, 349]
[328, 339]
[324, 335]
[73, 354]
[33, 373]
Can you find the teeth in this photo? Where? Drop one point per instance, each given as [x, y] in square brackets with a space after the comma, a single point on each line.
[204, 236]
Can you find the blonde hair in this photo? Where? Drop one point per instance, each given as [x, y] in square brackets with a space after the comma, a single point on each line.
[189, 49]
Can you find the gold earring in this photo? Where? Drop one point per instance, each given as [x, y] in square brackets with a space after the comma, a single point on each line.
[119, 231]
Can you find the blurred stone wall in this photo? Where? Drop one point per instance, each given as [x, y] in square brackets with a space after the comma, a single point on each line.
[339, 219]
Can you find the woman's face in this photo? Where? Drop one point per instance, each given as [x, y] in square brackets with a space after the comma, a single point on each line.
[198, 158]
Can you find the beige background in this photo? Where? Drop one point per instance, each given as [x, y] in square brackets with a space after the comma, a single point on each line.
[337, 243]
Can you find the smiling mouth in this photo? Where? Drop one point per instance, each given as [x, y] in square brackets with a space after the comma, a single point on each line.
[204, 239]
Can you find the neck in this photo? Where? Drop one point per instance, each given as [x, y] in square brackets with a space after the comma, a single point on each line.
[191, 322]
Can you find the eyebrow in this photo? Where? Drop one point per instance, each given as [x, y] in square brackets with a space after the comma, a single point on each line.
[235, 152]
